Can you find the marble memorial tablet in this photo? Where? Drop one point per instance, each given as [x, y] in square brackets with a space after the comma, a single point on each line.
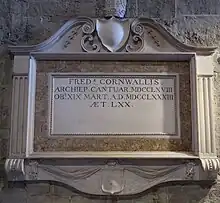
[114, 104]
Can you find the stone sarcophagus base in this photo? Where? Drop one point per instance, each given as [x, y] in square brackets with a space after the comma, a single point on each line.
[109, 177]
[112, 114]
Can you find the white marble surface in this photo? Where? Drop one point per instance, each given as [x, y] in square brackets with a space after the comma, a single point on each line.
[114, 104]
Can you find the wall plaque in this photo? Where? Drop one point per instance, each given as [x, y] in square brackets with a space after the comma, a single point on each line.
[114, 104]
[85, 105]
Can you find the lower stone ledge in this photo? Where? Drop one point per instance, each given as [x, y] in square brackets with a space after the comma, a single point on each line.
[109, 177]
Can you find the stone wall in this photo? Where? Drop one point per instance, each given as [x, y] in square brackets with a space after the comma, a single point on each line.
[50, 193]
[194, 22]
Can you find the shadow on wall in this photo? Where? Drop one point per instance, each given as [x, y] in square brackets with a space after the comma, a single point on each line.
[48, 192]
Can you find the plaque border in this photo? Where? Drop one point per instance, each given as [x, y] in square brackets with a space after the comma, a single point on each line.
[174, 76]
[166, 57]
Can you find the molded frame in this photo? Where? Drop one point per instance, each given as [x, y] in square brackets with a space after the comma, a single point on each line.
[109, 57]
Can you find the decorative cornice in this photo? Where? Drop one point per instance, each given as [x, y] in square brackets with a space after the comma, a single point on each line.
[105, 56]
[87, 27]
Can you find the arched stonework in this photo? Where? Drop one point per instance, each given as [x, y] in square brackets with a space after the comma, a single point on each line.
[115, 173]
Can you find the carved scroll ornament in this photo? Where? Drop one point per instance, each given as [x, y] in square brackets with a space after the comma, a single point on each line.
[113, 34]
[87, 41]
[137, 42]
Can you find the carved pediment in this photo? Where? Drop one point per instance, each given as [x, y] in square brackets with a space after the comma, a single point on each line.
[111, 35]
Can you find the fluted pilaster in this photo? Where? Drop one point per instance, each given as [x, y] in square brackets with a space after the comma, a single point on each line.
[19, 115]
[205, 115]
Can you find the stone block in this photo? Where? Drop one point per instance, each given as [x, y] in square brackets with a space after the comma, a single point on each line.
[19, 21]
[87, 8]
[164, 9]
[149, 198]
[195, 30]
[39, 199]
[187, 193]
[4, 117]
[198, 7]
[4, 142]
[62, 191]
[4, 133]
[82, 199]
[5, 71]
[19, 7]
[37, 189]
[36, 8]
[100, 5]
[5, 15]
[42, 29]
[14, 195]
[158, 195]
[61, 199]
[213, 195]
[132, 9]
[64, 9]
[5, 95]
[3, 29]
[41, 192]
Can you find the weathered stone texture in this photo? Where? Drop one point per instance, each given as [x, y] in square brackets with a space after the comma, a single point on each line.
[132, 9]
[50, 193]
[33, 21]
[5, 103]
[5, 20]
[164, 9]
[198, 7]
[46, 193]
[198, 31]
